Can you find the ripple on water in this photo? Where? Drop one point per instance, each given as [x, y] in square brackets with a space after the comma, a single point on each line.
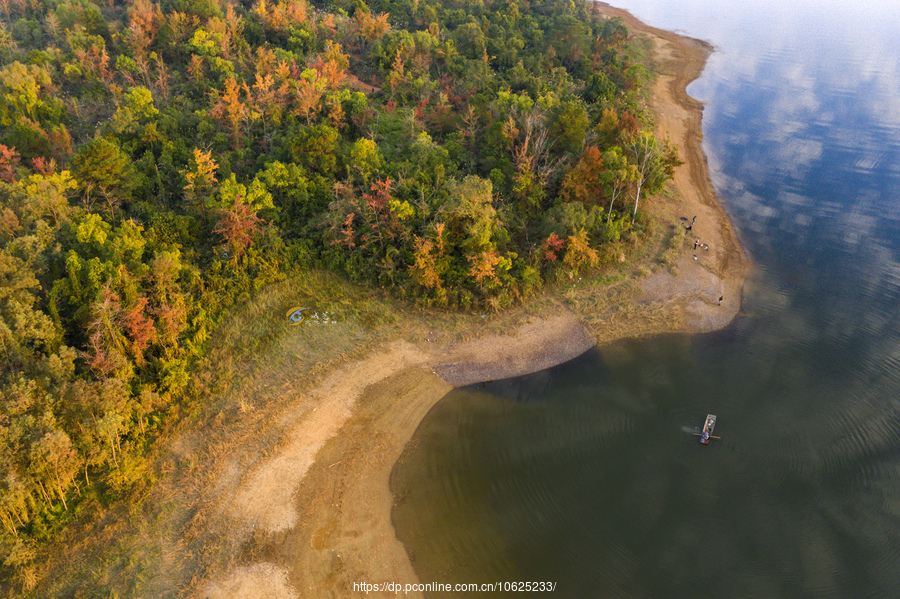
[603, 477]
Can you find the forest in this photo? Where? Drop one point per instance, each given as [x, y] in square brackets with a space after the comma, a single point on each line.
[161, 162]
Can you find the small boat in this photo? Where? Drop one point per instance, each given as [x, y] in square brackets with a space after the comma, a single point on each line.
[708, 428]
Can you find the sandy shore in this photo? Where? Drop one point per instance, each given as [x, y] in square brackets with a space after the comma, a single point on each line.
[318, 506]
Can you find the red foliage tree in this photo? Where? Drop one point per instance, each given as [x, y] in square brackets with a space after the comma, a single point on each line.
[9, 160]
[551, 247]
[43, 166]
[171, 320]
[139, 327]
[238, 225]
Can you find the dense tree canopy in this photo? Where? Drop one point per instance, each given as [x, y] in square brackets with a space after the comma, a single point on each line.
[160, 161]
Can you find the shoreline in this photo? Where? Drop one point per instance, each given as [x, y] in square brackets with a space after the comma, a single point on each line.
[313, 516]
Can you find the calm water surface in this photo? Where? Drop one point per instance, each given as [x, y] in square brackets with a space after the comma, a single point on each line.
[588, 475]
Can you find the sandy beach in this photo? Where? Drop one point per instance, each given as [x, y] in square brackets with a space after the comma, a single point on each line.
[312, 517]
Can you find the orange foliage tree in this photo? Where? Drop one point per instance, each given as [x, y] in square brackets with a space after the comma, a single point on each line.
[238, 225]
[483, 266]
[584, 182]
[232, 110]
[9, 161]
[144, 18]
[136, 321]
[579, 253]
[332, 65]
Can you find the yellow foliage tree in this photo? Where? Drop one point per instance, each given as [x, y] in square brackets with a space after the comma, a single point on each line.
[579, 253]
[201, 178]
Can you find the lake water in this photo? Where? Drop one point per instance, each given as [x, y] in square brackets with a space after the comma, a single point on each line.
[587, 475]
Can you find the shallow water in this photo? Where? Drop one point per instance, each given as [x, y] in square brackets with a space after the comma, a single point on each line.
[589, 475]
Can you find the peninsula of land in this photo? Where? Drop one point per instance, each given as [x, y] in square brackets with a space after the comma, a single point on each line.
[312, 515]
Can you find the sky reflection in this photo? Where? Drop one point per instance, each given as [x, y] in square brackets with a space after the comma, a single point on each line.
[788, 70]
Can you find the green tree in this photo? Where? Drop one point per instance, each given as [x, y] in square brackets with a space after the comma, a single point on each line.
[290, 190]
[472, 222]
[103, 169]
[470, 40]
[365, 158]
[255, 195]
[568, 125]
[316, 149]
[28, 92]
[135, 113]
[43, 200]
[27, 334]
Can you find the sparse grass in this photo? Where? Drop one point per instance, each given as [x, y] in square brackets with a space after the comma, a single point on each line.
[676, 240]
[640, 51]
[674, 244]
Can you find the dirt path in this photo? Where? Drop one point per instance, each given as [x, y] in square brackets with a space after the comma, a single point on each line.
[318, 508]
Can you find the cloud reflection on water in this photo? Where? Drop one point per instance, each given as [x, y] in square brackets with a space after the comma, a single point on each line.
[799, 89]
